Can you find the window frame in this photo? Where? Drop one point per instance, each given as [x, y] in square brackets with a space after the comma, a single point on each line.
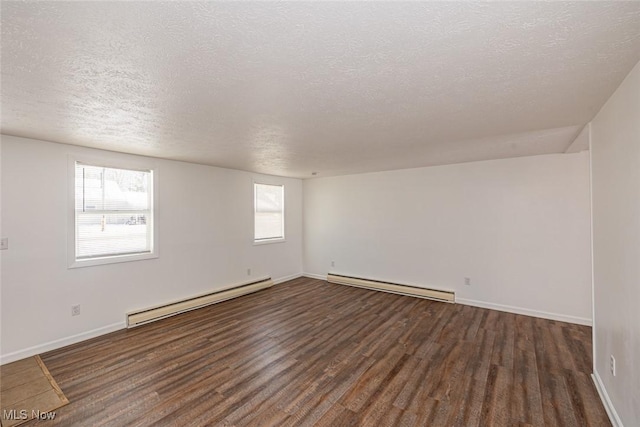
[267, 241]
[72, 260]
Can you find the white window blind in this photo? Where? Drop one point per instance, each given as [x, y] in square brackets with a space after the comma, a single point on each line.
[113, 212]
[269, 212]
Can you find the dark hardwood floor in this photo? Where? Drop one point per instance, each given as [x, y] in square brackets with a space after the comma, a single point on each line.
[311, 353]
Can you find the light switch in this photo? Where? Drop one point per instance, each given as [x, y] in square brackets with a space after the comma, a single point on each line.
[4, 243]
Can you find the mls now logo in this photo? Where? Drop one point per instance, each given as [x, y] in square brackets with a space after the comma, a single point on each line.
[23, 414]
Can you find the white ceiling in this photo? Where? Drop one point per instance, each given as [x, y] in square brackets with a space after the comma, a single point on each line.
[294, 88]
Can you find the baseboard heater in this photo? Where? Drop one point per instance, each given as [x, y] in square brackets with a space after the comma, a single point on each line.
[413, 291]
[140, 317]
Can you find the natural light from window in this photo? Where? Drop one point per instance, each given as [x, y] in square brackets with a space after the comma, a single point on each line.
[269, 212]
[113, 212]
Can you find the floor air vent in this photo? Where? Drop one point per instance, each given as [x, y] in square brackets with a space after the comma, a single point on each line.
[413, 291]
[141, 317]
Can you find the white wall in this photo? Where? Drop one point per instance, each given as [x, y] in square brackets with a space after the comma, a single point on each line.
[519, 228]
[205, 219]
[616, 248]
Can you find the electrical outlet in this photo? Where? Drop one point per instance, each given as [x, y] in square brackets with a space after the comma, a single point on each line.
[248, 272]
[613, 365]
[75, 310]
[467, 281]
[333, 263]
[4, 243]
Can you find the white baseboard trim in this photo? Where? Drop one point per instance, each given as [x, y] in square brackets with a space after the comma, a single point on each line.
[62, 342]
[59, 343]
[500, 307]
[286, 278]
[526, 311]
[315, 276]
[604, 396]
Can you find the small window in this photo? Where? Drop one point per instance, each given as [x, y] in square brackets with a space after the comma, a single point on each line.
[113, 214]
[269, 213]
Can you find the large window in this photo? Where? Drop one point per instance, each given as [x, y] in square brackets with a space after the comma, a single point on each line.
[269, 213]
[113, 214]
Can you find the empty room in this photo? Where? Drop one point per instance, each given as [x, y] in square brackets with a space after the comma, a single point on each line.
[320, 213]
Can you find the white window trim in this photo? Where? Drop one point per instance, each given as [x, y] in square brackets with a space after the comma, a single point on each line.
[108, 162]
[268, 241]
[284, 214]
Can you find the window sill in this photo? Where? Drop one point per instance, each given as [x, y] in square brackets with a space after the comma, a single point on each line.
[110, 260]
[268, 241]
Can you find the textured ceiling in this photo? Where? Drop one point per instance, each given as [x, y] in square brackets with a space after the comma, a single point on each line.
[293, 88]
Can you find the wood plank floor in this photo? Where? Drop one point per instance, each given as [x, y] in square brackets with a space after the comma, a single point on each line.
[311, 353]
